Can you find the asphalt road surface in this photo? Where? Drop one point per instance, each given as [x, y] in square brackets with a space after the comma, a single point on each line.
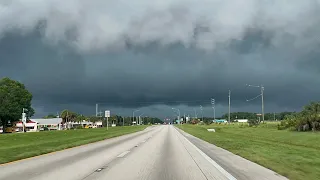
[157, 153]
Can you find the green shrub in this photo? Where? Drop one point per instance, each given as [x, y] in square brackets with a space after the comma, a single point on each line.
[281, 127]
[253, 122]
[79, 127]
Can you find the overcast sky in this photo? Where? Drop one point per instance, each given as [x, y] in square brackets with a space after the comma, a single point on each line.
[155, 55]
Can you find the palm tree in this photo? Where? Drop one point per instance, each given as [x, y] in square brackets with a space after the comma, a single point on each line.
[68, 116]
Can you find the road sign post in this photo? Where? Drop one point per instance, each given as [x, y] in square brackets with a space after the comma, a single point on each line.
[107, 115]
[24, 119]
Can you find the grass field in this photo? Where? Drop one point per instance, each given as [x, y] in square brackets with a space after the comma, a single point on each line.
[295, 155]
[23, 145]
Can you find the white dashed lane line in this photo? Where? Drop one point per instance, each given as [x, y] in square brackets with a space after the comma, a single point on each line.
[123, 154]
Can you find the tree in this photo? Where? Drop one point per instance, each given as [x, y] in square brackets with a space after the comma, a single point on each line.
[13, 98]
[80, 118]
[49, 116]
[94, 119]
[68, 116]
[306, 120]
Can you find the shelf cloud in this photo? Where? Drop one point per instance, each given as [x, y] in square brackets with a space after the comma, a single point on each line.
[129, 54]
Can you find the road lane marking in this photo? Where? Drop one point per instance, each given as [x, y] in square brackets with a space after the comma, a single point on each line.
[211, 161]
[100, 169]
[123, 154]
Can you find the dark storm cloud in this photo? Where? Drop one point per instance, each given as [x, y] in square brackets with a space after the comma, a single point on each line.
[177, 55]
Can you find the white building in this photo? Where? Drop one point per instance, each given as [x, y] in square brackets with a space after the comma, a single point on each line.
[33, 125]
[51, 124]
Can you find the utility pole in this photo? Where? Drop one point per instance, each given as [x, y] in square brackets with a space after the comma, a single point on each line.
[67, 119]
[229, 105]
[262, 103]
[97, 109]
[107, 123]
[178, 112]
[22, 119]
[201, 112]
[133, 118]
[213, 101]
[122, 121]
[262, 99]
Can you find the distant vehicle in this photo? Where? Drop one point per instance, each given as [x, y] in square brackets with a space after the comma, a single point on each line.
[242, 120]
[220, 121]
[10, 130]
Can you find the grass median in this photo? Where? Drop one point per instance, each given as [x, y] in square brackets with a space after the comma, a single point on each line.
[23, 145]
[295, 155]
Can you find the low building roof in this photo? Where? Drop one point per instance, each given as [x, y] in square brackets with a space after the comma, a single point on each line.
[48, 121]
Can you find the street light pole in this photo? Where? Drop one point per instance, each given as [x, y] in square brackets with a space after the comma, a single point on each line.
[133, 114]
[201, 113]
[179, 115]
[178, 112]
[23, 119]
[139, 120]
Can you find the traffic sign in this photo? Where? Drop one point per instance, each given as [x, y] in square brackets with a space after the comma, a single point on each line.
[107, 113]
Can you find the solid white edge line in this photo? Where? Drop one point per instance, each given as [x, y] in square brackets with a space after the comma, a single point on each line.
[123, 154]
[216, 165]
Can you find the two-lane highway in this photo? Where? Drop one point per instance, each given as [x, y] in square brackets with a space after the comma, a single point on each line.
[157, 153]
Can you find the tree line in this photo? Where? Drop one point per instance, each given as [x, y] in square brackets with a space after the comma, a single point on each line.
[70, 116]
[245, 115]
[252, 115]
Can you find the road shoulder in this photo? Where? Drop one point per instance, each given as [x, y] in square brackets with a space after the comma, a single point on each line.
[239, 167]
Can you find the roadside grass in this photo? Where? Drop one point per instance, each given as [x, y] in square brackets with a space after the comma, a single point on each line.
[295, 155]
[23, 145]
